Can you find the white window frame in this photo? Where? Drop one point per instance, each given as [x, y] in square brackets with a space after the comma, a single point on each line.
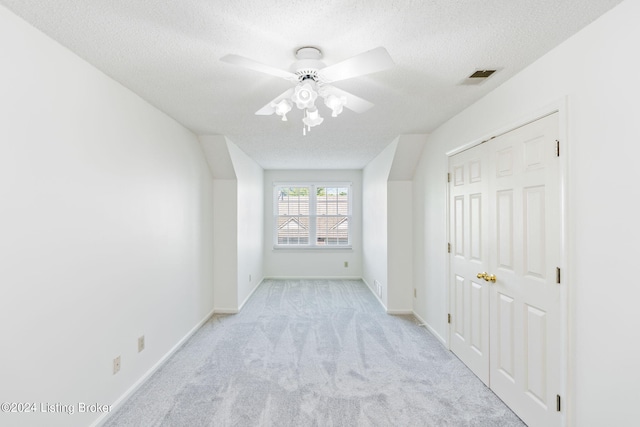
[313, 203]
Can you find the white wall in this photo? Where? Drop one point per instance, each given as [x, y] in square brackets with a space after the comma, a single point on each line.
[225, 246]
[374, 220]
[388, 222]
[249, 222]
[430, 237]
[595, 72]
[105, 230]
[313, 262]
[400, 246]
[238, 222]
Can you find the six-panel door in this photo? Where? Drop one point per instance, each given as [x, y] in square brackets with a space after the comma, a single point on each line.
[520, 240]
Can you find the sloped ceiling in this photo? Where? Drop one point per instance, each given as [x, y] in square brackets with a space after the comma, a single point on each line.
[168, 52]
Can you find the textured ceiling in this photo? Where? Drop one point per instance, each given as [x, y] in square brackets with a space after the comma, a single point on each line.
[168, 52]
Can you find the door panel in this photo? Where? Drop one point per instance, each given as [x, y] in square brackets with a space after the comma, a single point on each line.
[458, 212]
[504, 223]
[505, 220]
[505, 341]
[458, 326]
[535, 354]
[475, 227]
[476, 313]
[534, 232]
[469, 295]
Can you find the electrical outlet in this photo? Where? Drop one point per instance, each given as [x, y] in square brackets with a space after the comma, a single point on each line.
[140, 344]
[116, 365]
[415, 293]
[249, 277]
[346, 264]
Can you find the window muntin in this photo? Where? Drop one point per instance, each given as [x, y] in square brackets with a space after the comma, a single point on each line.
[312, 215]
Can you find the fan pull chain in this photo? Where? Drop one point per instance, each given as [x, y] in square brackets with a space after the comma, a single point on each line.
[306, 128]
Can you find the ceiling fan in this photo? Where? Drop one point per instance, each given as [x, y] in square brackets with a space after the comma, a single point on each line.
[312, 79]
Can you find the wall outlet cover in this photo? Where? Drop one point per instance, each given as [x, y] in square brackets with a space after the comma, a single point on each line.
[116, 365]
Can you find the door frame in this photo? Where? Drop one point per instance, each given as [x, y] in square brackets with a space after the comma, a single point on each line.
[567, 295]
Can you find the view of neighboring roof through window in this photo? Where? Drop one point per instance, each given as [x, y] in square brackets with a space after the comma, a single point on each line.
[312, 215]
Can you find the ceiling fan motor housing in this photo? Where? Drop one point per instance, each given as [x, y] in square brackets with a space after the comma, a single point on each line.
[307, 68]
[308, 63]
[307, 74]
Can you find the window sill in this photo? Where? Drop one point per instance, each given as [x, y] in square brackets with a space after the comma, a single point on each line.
[311, 248]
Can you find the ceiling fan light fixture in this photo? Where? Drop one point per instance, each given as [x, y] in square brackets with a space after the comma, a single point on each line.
[313, 79]
[282, 108]
[312, 118]
[304, 96]
[336, 103]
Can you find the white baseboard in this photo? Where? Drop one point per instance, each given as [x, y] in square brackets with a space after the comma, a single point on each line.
[101, 420]
[226, 311]
[250, 294]
[433, 331]
[375, 295]
[313, 278]
[400, 312]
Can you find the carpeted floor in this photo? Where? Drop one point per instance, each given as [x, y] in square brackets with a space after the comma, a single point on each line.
[313, 353]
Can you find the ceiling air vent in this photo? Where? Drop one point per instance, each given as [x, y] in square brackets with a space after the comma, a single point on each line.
[478, 77]
[481, 74]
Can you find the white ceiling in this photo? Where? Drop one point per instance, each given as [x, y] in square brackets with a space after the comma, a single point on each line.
[168, 52]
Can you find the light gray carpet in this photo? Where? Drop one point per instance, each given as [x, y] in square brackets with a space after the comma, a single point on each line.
[313, 353]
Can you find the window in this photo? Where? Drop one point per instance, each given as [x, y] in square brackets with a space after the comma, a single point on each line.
[312, 215]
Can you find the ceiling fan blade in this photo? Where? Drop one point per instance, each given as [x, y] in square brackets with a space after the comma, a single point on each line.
[371, 61]
[257, 66]
[267, 110]
[354, 103]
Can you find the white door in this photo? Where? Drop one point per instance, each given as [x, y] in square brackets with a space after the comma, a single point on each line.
[525, 240]
[522, 254]
[469, 295]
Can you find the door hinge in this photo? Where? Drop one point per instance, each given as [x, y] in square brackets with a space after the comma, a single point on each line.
[557, 148]
[448, 177]
[557, 274]
[558, 407]
[449, 318]
[448, 248]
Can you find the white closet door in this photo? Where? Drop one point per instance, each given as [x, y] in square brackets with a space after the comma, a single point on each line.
[525, 239]
[505, 222]
[469, 295]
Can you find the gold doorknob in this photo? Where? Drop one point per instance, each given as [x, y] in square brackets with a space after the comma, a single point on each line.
[487, 277]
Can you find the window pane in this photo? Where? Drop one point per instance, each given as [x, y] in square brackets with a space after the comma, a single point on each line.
[321, 201]
[343, 201]
[293, 201]
[332, 201]
[293, 230]
[332, 230]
